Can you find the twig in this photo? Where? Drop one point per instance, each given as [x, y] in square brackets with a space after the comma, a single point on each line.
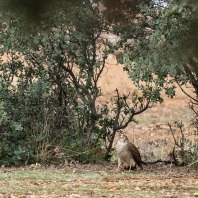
[175, 141]
[160, 160]
[192, 163]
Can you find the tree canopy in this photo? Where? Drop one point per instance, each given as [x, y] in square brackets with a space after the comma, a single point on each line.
[164, 49]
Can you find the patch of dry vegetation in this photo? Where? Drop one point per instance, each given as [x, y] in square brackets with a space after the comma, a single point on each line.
[98, 181]
[151, 135]
[171, 110]
[153, 138]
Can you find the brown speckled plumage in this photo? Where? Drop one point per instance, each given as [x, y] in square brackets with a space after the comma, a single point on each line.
[128, 153]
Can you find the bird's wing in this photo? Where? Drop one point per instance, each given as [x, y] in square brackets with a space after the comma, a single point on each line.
[134, 153]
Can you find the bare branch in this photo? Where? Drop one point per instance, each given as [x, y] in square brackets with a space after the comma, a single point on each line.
[185, 91]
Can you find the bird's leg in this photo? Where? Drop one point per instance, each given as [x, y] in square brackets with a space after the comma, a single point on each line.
[132, 164]
[119, 164]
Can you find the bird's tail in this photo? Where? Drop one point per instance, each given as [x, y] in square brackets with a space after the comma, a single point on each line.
[144, 163]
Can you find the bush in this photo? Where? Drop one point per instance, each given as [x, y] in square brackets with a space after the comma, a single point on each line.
[49, 87]
[185, 151]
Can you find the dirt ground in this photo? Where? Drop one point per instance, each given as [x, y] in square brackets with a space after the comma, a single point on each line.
[75, 181]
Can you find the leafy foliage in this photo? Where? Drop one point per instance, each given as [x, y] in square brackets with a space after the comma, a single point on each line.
[162, 52]
[49, 88]
[163, 49]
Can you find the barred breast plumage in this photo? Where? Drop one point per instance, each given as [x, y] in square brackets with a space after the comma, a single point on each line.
[128, 153]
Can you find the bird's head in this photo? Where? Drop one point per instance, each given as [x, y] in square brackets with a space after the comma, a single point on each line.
[123, 138]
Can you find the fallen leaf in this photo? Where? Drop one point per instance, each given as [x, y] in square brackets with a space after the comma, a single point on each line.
[65, 186]
[106, 179]
[137, 188]
[36, 183]
[74, 196]
[117, 196]
[111, 188]
[102, 172]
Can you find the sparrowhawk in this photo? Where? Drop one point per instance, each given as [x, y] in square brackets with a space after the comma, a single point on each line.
[128, 153]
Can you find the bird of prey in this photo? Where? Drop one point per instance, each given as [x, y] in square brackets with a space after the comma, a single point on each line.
[128, 153]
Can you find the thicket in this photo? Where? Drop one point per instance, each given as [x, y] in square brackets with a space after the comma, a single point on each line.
[49, 107]
[49, 112]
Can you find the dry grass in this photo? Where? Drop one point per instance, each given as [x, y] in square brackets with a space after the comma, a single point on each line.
[97, 181]
[170, 111]
[152, 135]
